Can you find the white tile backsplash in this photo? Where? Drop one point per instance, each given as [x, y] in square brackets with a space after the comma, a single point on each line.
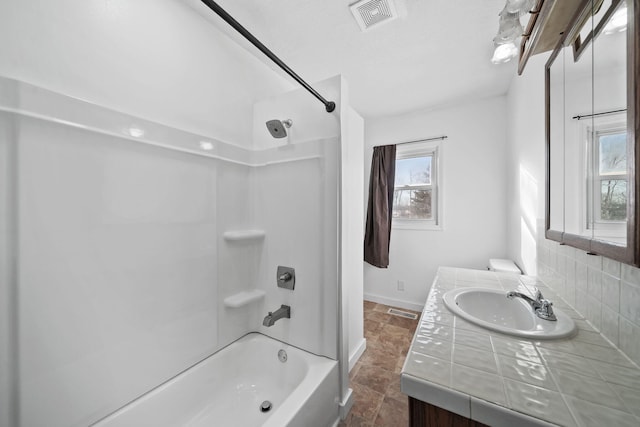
[611, 292]
[630, 274]
[610, 325]
[611, 267]
[629, 337]
[630, 301]
[594, 311]
[606, 292]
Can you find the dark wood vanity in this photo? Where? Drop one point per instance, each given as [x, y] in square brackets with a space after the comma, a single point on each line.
[422, 414]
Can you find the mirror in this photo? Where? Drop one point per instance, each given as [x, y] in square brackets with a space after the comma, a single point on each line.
[590, 119]
[555, 134]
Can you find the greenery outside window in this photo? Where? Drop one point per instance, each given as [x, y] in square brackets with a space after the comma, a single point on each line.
[416, 197]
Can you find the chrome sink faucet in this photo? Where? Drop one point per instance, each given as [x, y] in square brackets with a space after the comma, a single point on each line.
[283, 312]
[540, 305]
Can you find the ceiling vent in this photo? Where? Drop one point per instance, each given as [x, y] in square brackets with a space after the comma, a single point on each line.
[371, 13]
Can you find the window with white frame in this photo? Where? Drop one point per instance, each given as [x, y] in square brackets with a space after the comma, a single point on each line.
[417, 189]
[607, 183]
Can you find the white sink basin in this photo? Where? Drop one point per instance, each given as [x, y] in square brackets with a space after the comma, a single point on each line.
[491, 309]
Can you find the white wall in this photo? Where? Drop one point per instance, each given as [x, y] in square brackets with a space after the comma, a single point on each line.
[352, 230]
[155, 59]
[474, 190]
[525, 163]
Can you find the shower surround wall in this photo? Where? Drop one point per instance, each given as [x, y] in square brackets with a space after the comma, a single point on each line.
[122, 264]
[299, 211]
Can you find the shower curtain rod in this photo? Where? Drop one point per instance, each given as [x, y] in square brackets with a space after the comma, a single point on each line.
[417, 140]
[329, 105]
[604, 113]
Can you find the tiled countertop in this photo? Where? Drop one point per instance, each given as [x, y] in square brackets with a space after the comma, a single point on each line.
[502, 380]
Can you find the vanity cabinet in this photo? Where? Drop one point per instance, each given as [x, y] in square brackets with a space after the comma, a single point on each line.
[422, 414]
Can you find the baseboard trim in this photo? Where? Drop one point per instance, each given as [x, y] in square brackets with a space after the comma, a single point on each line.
[353, 359]
[394, 302]
[346, 404]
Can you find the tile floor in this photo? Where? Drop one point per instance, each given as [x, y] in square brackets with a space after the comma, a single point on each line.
[375, 379]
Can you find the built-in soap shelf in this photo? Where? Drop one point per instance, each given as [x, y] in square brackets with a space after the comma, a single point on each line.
[243, 298]
[243, 235]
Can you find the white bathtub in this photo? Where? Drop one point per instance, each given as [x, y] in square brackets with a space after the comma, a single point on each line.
[227, 389]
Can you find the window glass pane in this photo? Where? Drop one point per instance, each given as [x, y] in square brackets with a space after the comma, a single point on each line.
[413, 171]
[613, 199]
[412, 204]
[613, 154]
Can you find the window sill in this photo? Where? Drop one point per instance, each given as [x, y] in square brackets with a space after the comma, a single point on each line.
[416, 225]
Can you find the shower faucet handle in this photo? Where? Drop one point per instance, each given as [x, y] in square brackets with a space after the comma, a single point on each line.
[286, 277]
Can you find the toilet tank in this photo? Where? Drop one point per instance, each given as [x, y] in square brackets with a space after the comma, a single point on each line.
[503, 266]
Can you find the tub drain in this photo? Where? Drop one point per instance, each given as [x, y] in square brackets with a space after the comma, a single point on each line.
[265, 406]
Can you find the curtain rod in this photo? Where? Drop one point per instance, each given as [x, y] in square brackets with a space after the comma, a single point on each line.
[417, 140]
[329, 105]
[580, 117]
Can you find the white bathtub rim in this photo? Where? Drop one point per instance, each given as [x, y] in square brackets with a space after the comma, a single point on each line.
[302, 395]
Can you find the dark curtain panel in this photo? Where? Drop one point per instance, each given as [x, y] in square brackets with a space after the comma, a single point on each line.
[380, 207]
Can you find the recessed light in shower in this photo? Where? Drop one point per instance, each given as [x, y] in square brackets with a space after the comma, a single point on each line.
[207, 145]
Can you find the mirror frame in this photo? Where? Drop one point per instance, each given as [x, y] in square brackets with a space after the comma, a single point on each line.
[629, 254]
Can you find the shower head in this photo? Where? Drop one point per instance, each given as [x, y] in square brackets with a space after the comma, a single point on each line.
[278, 128]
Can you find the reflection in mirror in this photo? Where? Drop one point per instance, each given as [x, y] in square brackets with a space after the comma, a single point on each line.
[556, 147]
[578, 97]
[608, 178]
[608, 15]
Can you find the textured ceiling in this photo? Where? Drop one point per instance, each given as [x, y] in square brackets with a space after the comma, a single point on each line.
[436, 53]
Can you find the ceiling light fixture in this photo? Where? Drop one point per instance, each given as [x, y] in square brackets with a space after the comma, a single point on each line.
[504, 53]
[519, 6]
[509, 30]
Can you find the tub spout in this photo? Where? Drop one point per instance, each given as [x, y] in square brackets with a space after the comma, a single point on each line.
[283, 312]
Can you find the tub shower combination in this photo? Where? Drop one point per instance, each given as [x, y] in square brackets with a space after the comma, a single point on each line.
[143, 258]
[145, 300]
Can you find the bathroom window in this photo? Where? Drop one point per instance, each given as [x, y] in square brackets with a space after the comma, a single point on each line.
[416, 196]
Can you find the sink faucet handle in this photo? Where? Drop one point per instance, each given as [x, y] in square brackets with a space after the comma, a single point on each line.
[539, 297]
[545, 311]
